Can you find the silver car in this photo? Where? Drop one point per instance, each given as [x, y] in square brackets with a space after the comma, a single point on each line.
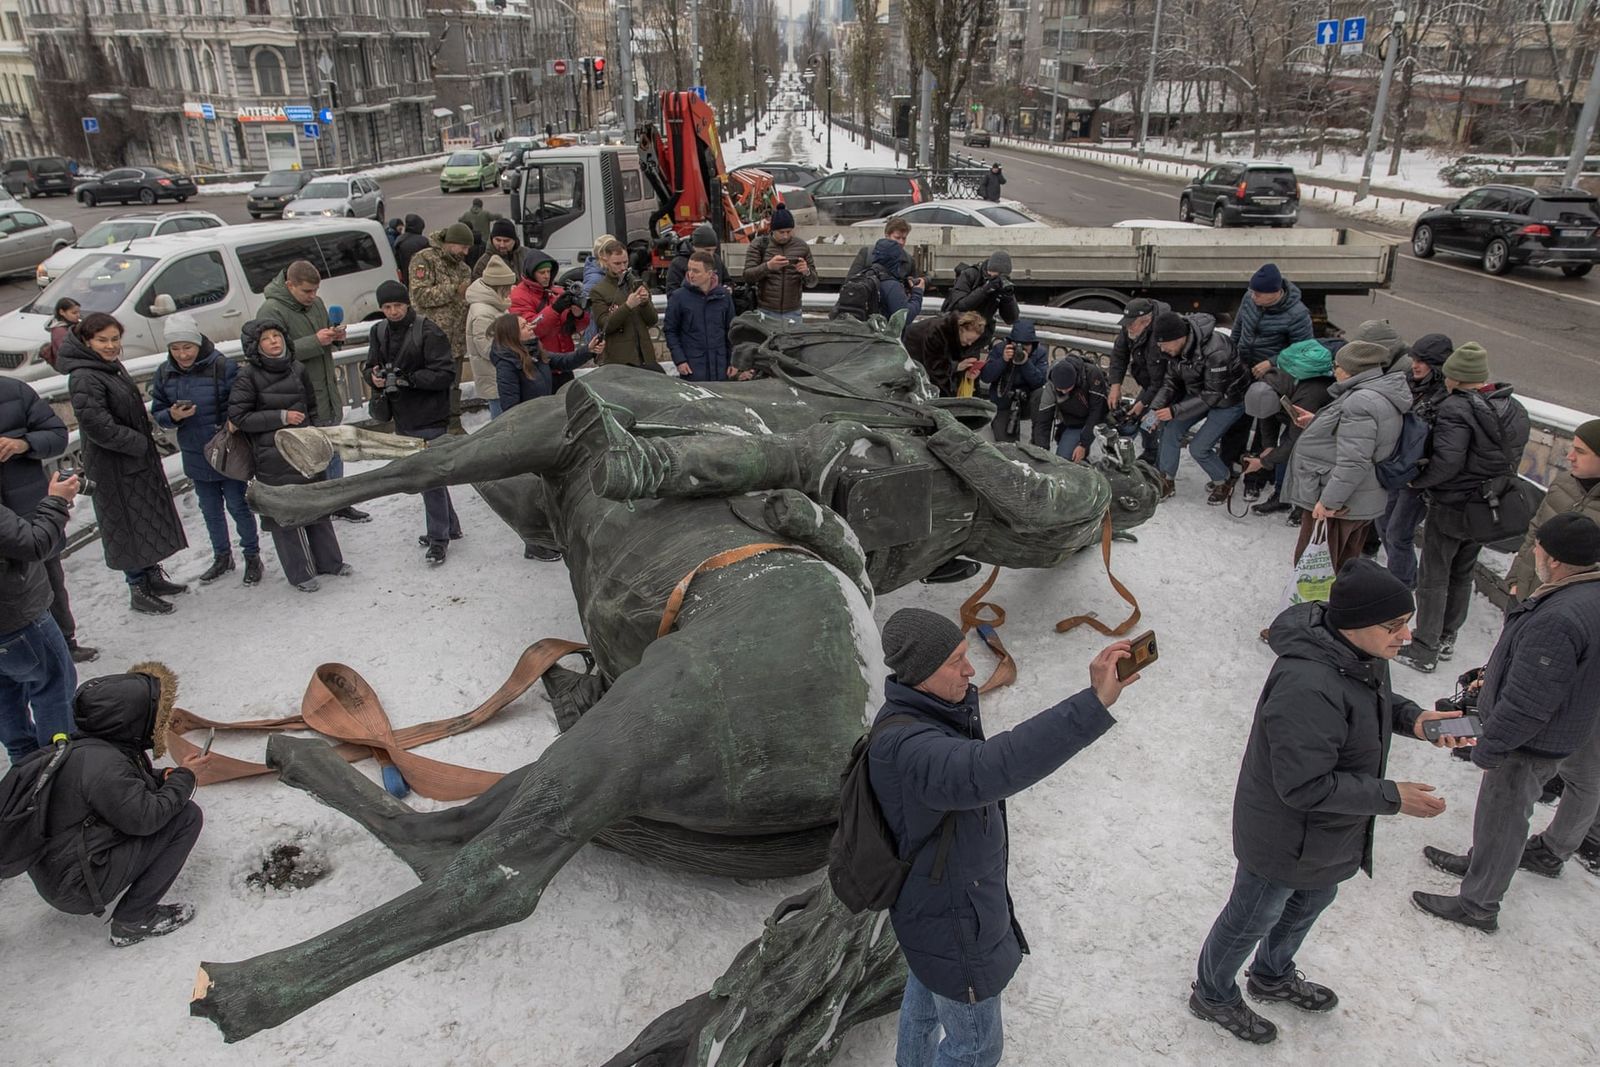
[119, 230]
[338, 196]
[27, 238]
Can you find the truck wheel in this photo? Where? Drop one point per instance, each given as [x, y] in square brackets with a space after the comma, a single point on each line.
[1422, 241]
[1496, 257]
[1185, 212]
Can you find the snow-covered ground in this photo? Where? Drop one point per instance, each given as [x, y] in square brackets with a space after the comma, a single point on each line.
[1119, 862]
[388, 170]
[1418, 173]
[790, 138]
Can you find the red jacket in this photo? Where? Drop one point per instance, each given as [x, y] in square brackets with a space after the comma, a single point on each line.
[533, 302]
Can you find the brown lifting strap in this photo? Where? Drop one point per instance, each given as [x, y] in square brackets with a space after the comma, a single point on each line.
[339, 704]
[1005, 672]
[1127, 624]
[716, 563]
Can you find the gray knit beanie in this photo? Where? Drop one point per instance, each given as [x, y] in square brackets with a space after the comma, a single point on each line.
[916, 643]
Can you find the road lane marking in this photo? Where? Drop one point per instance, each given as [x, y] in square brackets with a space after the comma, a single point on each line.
[1508, 281]
[1521, 339]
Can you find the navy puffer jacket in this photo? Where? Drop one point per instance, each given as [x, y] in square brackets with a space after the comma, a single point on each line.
[960, 937]
[205, 384]
[1260, 333]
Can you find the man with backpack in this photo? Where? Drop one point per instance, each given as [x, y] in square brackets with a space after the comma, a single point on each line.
[939, 782]
[111, 821]
[36, 671]
[1479, 432]
[1073, 407]
[985, 288]
[881, 287]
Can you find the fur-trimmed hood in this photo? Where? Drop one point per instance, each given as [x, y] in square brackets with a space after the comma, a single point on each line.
[130, 710]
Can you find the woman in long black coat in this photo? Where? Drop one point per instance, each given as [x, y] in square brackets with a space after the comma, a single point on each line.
[139, 526]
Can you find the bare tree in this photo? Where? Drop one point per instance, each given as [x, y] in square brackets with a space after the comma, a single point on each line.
[89, 69]
[671, 63]
[1408, 63]
[955, 29]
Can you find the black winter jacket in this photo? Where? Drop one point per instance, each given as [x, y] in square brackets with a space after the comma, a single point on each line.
[1260, 333]
[935, 342]
[27, 539]
[1206, 374]
[25, 416]
[107, 792]
[139, 526]
[1473, 433]
[961, 937]
[206, 385]
[1427, 395]
[410, 244]
[262, 393]
[1311, 780]
[973, 291]
[1142, 358]
[1540, 684]
[420, 351]
[1083, 408]
[516, 387]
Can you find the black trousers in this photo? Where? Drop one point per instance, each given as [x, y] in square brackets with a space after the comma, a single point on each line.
[307, 551]
[151, 864]
[61, 606]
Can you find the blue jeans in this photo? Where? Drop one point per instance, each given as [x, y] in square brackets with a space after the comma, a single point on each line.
[335, 466]
[1067, 443]
[793, 318]
[1258, 911]
[495, 410]
[1398, 528]
[973, 1035]
[37, 677]
[212, 497]
[1203, 449]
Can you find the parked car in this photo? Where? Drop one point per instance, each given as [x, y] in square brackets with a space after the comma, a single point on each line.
[275, 189]
[853, 195]
[514, 157]
[26, 237]
[976, 138]
[1503, 226]
[119, 230]
[1242, 194]
[38, 176]
[799, 203]
[144, 184]
[785, 173]
[216, 275]
[471, 169]
[337, 196]
[962, 213]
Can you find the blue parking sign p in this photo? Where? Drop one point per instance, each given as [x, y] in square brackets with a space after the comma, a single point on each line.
[1355, 30]
[91, 125]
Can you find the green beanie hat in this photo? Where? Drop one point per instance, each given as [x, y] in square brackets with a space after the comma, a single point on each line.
[1469, 363]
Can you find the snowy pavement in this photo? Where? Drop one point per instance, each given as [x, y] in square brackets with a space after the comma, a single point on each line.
[1119, 862]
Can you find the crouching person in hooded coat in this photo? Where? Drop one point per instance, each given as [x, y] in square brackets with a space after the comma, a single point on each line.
[114, 822]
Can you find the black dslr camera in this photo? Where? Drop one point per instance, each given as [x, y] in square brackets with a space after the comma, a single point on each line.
[569, 298]
[391, 381]
[86, 486]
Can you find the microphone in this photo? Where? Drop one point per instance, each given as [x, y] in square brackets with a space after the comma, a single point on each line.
[335, 315]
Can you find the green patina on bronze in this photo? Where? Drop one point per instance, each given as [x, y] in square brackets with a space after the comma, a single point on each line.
[716, 748]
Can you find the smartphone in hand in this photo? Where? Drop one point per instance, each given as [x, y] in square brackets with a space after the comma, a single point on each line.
[1465, 726]
[1142, 653]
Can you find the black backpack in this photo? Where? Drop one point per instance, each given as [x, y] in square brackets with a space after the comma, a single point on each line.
[863, 864]
[859, 296]
[24, 805]
[1405, 463]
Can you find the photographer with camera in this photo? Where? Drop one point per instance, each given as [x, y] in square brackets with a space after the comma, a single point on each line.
[1015, 373]
[1073, 407]
[1134, 352]
[623, 311]
[986, 289]
[37, 675]
[411, 370]
[558, 314]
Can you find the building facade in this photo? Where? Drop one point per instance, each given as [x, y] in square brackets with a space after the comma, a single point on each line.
[491, 68]
[20, 131]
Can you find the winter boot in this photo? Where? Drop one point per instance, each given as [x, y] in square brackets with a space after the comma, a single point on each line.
[158, 582]
[142, 600]
[1450, 909]
[1168, 487]
[1537, 857]
[1239, 1019]
[1589, 855]
[541, 553]
[1451, 863]
[1272, 506]
[1307, 996]
[252, 570]
[167, 918]
[1294, 517]
[82, 653]
[1447, 647]
[352, 515]
[1219, 492]
[1418, 657]
[220, 565]
[434, 556]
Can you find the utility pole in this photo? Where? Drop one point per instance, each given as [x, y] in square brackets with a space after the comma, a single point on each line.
[1055, 83]
[625, 61]
[694, 41]
[1381, 105]
[925, 127]
[1149, 82]
[1585, 130]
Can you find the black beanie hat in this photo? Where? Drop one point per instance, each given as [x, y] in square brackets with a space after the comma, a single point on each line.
[1169, 326]
[916, 643]
[1433, 349]
[1365, 594]
[1571, 538]
[392, 292]
[502, 228]
[1064, 375]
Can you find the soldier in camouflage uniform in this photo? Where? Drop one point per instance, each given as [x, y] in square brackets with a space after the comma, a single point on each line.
[439, 280]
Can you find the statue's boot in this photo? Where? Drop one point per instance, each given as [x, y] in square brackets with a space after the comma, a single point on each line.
[309, 449]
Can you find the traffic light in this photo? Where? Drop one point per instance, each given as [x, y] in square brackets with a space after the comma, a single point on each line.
[599, 72]
[587, 62]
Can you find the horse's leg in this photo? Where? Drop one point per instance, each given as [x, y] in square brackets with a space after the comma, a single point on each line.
[425, 840]
[527, 439]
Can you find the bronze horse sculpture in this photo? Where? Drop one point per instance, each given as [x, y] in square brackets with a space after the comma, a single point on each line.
[710, 740]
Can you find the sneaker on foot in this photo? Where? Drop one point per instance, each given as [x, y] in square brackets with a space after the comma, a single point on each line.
[1451, 863]
[82, 653]
[1239, 1019]
[1272, 506]
[252, 570]
[1450, 909]
[1447, 647]
[539, 552]
[1589, 856]
[1418, 658]
[1537, 857]
[344, 571]
[1307, 996]
[167, 918]
[434, 556]
[352, 515]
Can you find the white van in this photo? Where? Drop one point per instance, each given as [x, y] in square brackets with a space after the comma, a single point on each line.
[216, 275]
[565, 198]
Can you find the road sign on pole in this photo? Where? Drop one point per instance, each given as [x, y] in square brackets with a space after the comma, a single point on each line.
[325, 116]
[1355, 30]
[311, 130]
[1328, 32]
[91, 125]
[557, 67]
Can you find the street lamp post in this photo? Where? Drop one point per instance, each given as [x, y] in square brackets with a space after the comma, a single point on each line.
[827, 80]
[1381, 105]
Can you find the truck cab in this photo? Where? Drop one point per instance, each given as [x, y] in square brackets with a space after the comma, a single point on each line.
[565, 198]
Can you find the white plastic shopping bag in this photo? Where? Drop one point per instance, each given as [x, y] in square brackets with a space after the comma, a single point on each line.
[1313, 575]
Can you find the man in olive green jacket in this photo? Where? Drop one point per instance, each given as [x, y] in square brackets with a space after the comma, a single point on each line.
[1575, 489]
[291, 303]
[623, 311]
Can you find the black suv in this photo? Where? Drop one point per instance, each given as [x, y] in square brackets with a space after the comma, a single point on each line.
[275, 189]
[853, 195]
[1242, 194]
[39, 176]
[1504, 225]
